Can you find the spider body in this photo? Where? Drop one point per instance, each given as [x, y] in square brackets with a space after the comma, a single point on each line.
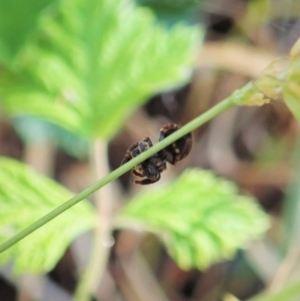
[179, 149]
[151, 168]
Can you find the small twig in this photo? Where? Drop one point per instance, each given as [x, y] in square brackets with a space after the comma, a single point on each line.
[140, 280]
[237, 98]
[284, 269]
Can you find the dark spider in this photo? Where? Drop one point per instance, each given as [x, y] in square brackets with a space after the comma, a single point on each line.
[151, 168]
[179, 149]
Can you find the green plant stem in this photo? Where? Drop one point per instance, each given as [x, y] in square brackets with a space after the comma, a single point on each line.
[104, 201]
[226, 104]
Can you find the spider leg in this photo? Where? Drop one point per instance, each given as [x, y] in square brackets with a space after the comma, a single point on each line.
[148, 141]
[133, 146]
[148, 181]
[128, 155]
[171, 158]
[136, 173]
[164, 166]
[167, 130]
[164, 132]
[168, 156]
[126, 158]
[141, 146]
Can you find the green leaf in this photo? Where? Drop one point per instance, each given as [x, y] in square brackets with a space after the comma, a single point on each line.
[201, 219]
[291, 85]
[93, 62]
[26, 196]
[18, 19]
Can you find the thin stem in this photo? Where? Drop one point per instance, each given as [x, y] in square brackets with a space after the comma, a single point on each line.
[102, 236]
[285, 269]
[213, 112]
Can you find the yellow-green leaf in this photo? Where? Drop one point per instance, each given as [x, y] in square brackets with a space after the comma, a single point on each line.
[201, 218]
[25, 197]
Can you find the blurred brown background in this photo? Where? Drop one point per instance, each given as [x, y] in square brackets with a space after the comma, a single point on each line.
[255, 147]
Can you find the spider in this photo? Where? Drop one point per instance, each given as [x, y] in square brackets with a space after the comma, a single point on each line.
[151, 168]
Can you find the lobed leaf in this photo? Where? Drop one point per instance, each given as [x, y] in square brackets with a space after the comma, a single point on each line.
[26, 196]
[201, 219]
[92, 62]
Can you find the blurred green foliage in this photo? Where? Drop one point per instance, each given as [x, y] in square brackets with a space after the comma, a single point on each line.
[36, 130]
[25, 197]
[18, 19]
[83, 66]
[171, 11]
[291, 88]
[88, 64]
[201, 218]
